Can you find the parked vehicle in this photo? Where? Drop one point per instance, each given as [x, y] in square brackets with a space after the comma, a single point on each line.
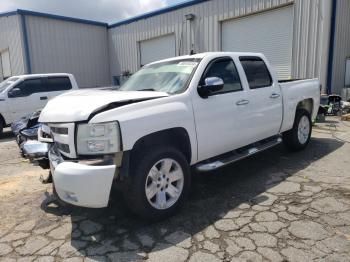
[21, 95]
[26, 128]
[205, 111]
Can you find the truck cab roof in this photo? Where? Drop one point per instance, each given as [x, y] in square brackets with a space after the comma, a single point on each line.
[210, 54]
[41, 75]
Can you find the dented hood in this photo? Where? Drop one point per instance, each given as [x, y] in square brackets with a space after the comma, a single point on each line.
[79, 105]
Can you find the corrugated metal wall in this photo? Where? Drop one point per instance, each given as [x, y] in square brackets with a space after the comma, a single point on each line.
[261, 33]
[310, 35]
[206, 29]
[69, 47]
[341, 47]
[10, 38]
[311, 39]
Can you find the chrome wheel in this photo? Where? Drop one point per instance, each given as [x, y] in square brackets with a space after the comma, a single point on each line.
[164, 183]
[303, 129]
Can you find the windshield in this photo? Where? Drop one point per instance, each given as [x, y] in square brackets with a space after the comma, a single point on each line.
[6, 83]
[170, 77]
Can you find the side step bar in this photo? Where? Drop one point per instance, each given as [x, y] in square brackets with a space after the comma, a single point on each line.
[238, 154]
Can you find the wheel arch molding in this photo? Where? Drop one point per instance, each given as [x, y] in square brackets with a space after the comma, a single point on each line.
[177, 137]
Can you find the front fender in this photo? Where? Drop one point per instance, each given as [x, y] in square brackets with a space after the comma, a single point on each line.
[147, 117]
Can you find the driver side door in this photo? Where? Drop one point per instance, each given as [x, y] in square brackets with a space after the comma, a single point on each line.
[219, 116]
[27, 98]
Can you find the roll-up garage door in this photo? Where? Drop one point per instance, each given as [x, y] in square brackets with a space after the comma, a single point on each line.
[6, 64]
[157, 48]
[270, 33]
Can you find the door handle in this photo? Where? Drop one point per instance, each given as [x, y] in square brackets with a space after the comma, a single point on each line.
[242, 102]
[274, 95]
[43, 98]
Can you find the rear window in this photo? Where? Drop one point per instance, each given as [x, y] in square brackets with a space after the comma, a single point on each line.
[258, 75]
[58, 83]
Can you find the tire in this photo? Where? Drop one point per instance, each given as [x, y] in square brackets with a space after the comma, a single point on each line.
[158, 182]
[294, 140]
[1, 127]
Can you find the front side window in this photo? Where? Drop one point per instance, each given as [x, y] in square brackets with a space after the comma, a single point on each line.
[27, 87]
[34, 86]
[258, 75]
[170, 77]
[226, 70]
[58, 84]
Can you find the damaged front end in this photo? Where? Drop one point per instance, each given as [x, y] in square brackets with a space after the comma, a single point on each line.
[37, 150]
[26, 129]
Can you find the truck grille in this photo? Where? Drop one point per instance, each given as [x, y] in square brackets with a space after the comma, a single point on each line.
[60, 130]
[63, 136]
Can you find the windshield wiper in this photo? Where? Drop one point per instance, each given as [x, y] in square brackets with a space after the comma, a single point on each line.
[146, 89]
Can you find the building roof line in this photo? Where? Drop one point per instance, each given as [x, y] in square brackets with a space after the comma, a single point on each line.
[157, 12]
[92, 22]
[9, 13]
[53, 16]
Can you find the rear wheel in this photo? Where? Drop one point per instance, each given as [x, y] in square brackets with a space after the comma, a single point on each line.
[1, 127]
[158, 184]
[299, 136]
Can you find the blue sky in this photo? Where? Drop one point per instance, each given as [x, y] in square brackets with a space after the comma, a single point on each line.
[100, 10]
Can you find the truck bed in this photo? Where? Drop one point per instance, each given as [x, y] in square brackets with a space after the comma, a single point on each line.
[298, 90]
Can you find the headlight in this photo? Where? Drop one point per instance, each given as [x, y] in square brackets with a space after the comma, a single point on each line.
[102, 138]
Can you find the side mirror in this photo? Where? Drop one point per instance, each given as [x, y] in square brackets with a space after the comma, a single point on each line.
[14, 92]
[211, 84]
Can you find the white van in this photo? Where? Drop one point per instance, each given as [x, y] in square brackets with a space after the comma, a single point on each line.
[21, 95]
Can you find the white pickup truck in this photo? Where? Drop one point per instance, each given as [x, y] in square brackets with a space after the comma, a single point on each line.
[24, 94]
[205, 110]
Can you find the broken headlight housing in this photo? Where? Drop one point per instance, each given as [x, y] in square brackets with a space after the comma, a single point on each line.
[101, 138]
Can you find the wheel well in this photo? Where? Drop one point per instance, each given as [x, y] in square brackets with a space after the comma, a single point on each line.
[307, 104]
[176, 137]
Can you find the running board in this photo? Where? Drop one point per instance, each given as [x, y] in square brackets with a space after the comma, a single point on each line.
[238, 154]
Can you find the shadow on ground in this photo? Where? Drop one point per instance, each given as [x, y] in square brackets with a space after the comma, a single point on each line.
[212, 196]
[7, 135]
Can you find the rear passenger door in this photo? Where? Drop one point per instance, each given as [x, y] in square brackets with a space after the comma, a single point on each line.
[265, 99]
[57, 85]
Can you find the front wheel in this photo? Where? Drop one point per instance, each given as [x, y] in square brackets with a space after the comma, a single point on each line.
[158, 184]
[299, 136]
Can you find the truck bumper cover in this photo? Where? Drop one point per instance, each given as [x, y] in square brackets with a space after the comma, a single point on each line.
[81, 184]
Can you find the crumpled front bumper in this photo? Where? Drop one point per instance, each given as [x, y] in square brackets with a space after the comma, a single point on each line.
[79, 183]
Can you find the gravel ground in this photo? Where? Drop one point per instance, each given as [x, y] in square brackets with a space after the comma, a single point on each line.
[276, 206]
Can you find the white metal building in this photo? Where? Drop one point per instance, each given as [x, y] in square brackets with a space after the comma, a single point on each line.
[32, 42]
[302, 38]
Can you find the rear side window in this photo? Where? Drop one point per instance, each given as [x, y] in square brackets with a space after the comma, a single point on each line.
[58, 84]
[226, 70]
[258, 75]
